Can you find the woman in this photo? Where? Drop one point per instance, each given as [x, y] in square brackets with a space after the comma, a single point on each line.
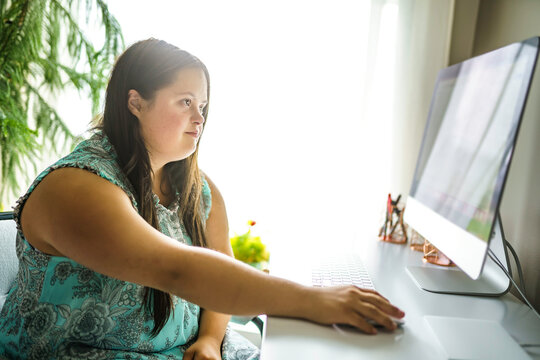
[104, 235]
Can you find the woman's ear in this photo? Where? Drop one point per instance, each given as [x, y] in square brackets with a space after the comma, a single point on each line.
[134, 102]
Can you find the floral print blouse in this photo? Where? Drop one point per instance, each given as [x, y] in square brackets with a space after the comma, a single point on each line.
[59, 309]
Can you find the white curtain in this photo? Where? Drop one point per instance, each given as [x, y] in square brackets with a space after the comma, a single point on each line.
[424, 36]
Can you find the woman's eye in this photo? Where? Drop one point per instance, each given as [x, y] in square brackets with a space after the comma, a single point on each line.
[187, 102]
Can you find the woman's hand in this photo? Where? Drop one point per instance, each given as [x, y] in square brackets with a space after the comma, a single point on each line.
[205, 348]
[352, 306]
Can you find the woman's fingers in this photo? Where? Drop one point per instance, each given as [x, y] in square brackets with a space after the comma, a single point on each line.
[381, 303]
[359, 322]
[374, 292]
[368, 311]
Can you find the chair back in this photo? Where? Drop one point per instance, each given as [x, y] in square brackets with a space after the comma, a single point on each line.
[9, 264]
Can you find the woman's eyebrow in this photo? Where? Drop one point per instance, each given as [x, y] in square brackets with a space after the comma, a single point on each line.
[190, 94]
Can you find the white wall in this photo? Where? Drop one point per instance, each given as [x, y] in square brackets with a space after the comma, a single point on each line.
[501, 22]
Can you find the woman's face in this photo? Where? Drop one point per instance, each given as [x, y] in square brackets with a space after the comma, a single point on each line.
[172, 122]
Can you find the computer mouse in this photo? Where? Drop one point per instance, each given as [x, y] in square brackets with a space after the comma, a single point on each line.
[399, 323]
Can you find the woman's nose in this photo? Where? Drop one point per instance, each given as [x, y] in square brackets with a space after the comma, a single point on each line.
[197, 118]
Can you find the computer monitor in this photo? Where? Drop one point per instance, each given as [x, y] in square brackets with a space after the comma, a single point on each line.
[468, 143]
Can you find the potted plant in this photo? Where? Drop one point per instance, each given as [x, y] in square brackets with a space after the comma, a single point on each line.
[250, 249]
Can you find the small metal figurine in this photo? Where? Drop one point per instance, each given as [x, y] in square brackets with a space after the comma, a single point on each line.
[393, 230]
[417, 241]
[432, 255]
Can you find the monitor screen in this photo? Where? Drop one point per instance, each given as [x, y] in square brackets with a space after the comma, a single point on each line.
[466, 150]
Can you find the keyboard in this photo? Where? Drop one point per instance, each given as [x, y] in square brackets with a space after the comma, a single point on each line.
[345, 269]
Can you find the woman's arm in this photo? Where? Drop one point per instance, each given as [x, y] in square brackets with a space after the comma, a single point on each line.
[90, 220]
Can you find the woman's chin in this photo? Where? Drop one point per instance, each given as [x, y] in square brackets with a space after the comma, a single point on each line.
[185, 154]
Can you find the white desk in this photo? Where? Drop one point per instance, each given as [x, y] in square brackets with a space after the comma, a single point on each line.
[297, 339]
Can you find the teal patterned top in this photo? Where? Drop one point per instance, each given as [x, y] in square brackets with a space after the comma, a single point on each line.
[59, 309]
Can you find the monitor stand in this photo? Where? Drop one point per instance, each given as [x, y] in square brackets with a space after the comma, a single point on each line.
[471, 338]
[492, 282]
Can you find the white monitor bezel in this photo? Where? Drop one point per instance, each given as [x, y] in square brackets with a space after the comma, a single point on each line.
[447, 237]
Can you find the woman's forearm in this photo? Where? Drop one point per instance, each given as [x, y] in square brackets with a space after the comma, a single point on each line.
[213, 324]
[219, 283]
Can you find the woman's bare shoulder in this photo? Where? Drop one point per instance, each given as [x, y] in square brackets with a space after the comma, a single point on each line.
[64, 194]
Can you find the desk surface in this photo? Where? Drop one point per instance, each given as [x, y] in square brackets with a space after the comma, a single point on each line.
[290, 338]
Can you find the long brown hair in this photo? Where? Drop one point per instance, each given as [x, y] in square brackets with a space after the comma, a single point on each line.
[146, 67]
